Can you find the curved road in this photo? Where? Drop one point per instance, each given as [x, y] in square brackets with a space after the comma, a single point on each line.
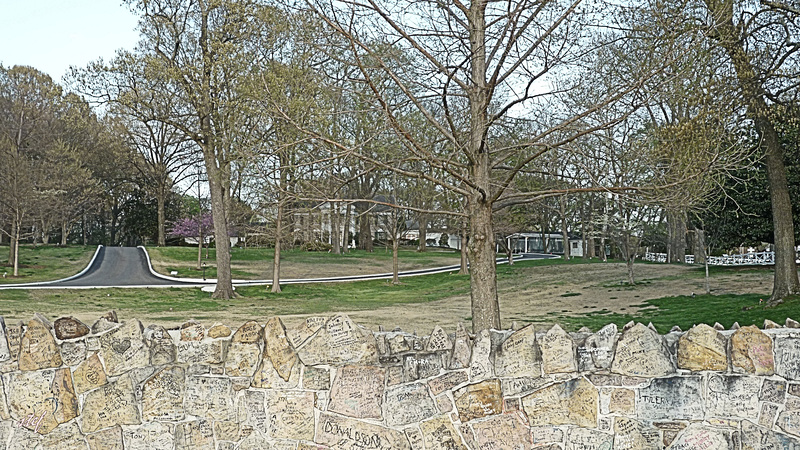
[130, 267]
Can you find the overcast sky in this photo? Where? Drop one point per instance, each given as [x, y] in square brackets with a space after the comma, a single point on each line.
[52, 35]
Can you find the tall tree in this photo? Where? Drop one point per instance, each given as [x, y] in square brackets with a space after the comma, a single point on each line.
[207, 53]
[473, 68]
[760, 41]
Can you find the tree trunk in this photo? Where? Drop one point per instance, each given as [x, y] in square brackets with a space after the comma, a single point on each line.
[699, 246]
[15, 249]
[276, 260]
[365, 230]
[346, 235]
[464, 268]
[336, 232]
[64, 233]
[217, 188]
[677, 236]
[482, 267]
[162, 235]
[395, 256]
[730, 37]
[45, 233]
[84, 231]
[423, 232]
[562, 209]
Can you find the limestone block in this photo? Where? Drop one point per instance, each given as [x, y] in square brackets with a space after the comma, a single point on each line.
[440, 434]
[162, 395]
[733, 396]
[243, 359]
[479, 400]
[38, 348]
[399, 342]
[447, 381]
[698, 436]
[673, 398]
[41, 400]
[769, 412]
[162, 347]
[462, 350]
[249, 333]
[549, 435]
[340, 341]
[408, 403]
[787, 356]
[773, 391]
[415, 438]
[218, 330]
[597, 351]
[751, 351]
[14, 336]
[481, 365]
[642, 352]
[150, 436]
[357, 391]
[558, 351]
[630, 434]
[66, 437]
[758, 438]
[73, 353]
[102, 324]
[519, 355]
[207, 351]
[278, 349]
[316, 378]
[502, 431]
[113, 404]
[267, 377]
[438, 341]
[255, 441]
[583, 438]
[702, 348]
[70, 328]
[422, 365]
[209, 398]
[302, 331]
[195, 435]
[789, 418]
[573, 402]
[4, 413]
[5, 351]
[107, 439]
[227, 431]
[524, 385]
[251, 409]
[89, 375]
[291, 415]
[351, 434]
[123, 348]
[192, 331]
[622, 401]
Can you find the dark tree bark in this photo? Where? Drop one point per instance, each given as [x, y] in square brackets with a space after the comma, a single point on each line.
[732, 39]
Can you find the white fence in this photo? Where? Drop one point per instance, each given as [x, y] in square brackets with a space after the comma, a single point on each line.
[746, 259]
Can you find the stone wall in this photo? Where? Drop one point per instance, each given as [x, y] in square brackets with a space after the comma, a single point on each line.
[328, 383]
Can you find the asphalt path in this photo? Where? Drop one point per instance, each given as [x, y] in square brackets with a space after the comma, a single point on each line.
[127, 267]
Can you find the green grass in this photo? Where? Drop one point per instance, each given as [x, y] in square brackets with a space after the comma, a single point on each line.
[686, 311]
[45, 262]
[165, 303]
[256, 263]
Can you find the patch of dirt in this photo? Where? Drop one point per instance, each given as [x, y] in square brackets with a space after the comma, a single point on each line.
[537, 292]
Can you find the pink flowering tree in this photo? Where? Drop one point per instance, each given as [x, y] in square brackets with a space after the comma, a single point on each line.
[200, 228]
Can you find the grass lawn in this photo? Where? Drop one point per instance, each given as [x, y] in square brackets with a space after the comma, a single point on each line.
[686, 311]
[256, 263]
[45, 262]
[171, 307]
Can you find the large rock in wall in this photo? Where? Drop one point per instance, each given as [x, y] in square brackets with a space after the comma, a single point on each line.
[326, 383]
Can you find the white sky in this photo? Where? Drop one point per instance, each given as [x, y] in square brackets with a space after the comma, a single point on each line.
[52, 35]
